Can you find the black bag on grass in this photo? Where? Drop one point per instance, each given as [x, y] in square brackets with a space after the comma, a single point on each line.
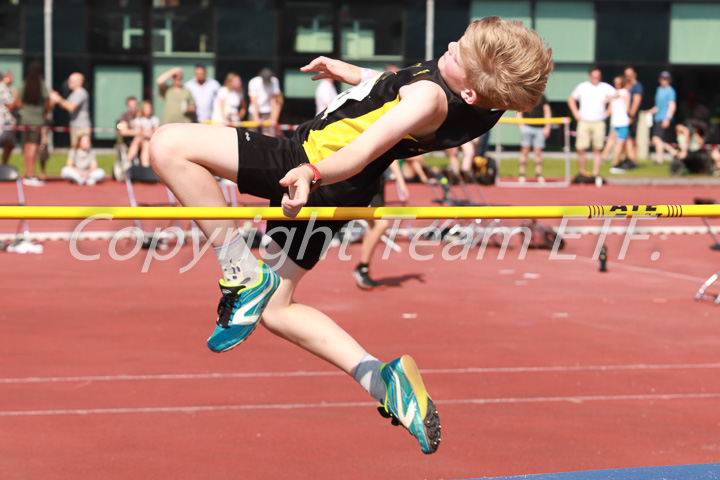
[485, 170]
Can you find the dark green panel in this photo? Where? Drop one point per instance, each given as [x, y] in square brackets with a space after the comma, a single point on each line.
[632, 32]
[246, 28]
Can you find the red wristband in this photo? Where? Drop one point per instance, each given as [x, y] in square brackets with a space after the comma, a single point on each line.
[317, 177]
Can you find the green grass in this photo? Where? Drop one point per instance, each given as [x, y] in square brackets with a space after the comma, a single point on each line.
[553, 166]
[58, 160]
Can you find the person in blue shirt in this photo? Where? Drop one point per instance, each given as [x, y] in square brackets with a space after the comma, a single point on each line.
[663, 113]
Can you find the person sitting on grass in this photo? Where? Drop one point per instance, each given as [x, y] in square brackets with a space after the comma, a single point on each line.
[82, 167]
[338, 159]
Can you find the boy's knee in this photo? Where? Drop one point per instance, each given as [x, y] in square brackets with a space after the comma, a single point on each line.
[162, 144]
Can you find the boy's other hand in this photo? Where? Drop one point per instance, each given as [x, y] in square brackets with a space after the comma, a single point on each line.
[298, 182]
[335, 69]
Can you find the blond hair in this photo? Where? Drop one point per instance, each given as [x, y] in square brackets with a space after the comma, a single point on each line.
[505, 63]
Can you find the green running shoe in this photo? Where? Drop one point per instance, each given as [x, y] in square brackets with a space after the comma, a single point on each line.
[240, 309]
[408, 403]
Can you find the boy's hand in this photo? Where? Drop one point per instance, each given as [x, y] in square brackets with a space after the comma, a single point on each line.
[335, 69]
[298, 182]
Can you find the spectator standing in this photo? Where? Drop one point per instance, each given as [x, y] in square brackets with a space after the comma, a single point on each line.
[77, 105]
[265, 101]
[592, 96]
[8, 110]
[636, 93]
[534, 136]
[33, 107]
[324, 94]
[81, 166]
[203, 90]
[619, 106]
[179, 101]
[663, 113]
[230, 106]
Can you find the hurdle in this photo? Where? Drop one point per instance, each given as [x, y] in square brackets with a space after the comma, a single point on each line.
[565, 121]
[359, 213]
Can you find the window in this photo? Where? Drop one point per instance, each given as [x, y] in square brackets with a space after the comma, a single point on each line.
[508, 10]
[371, 31]
[182, 26]
[9, 25]
[117, 26]
[632, 32]
[569, 29]
[111, 87]
[247, 28]
[310, 25]
[695, 33]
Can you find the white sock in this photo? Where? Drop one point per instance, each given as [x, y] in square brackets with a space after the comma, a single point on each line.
[238, 264]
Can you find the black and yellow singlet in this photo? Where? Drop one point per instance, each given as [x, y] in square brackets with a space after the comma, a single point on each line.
[354, 110]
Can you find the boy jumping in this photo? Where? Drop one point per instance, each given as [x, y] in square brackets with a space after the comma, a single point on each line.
[337, 159]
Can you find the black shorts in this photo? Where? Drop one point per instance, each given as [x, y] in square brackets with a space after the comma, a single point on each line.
[263, 161]
[379, 199]
[633, 128]
[664, 133]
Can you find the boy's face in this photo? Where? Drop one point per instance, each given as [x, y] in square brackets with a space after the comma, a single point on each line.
[451, 68]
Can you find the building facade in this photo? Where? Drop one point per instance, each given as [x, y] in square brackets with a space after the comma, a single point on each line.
[123, 45]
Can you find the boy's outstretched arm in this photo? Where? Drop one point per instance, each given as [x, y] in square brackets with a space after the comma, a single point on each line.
[337, 70]
[421, 110]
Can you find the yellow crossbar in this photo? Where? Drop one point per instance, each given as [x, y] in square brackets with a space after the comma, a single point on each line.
[351, 213]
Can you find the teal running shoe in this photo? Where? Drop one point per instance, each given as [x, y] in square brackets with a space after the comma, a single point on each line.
[407, 402]
[240, 309]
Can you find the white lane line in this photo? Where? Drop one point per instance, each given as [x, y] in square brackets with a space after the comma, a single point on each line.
[298, 406]
[448, 371]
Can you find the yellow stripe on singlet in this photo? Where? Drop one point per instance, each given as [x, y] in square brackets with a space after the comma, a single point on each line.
[322, 143]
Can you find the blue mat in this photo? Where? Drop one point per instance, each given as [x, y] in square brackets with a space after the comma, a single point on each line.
[709, 471]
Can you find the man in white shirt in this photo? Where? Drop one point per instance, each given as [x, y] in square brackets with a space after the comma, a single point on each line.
[203, 90]
[265, 101]
[593, 96]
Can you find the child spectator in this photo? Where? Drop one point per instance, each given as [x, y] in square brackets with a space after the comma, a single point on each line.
[146, 124]
[81, 166]
[230, 106]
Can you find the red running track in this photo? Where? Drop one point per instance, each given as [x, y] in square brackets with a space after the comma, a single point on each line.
[536, 365]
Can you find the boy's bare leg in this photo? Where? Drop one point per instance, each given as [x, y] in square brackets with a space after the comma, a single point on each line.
[396, 385]
[187, 157]
[305, 326]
